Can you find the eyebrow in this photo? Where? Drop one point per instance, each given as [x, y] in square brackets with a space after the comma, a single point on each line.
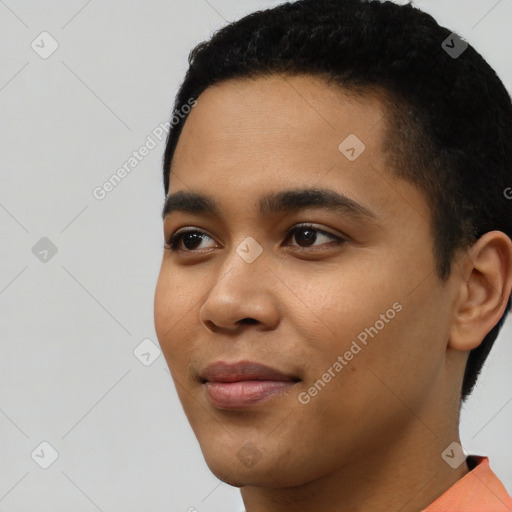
[285, 201]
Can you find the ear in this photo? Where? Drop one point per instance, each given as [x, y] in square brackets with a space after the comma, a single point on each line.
[484, 282]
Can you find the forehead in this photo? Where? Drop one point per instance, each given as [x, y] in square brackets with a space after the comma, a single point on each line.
[252, 136]
[297, 115]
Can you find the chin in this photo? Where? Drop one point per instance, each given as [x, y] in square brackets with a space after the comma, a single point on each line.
[238, 468]
[235, 474]
[230, 469]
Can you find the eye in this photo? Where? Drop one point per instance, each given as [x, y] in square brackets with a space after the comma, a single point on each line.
[304, 234]
[190, 238]
[308, 235]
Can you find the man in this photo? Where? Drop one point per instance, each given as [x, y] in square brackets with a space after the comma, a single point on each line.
[338, 256]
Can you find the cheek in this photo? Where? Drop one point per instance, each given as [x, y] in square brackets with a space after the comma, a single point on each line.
[408, 353]
[163, 307]
[395, 317]
[173, 308]
[348, 300]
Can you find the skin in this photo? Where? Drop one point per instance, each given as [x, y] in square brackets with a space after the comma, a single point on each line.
[372, 438]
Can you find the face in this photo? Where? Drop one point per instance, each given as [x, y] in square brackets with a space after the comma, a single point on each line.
[310, 258]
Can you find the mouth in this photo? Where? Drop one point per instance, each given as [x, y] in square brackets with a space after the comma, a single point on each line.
[244, 384]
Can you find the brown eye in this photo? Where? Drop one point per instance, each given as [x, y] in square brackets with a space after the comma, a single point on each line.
[190, 239]
[306, 236]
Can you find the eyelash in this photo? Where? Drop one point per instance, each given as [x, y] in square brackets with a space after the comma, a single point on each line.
[176, 238]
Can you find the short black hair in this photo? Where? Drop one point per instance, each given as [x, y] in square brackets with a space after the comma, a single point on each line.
[448, 116]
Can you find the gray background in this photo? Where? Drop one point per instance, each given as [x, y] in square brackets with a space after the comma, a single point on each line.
[69, 324]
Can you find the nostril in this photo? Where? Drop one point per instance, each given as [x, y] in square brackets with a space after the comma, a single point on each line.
[250, 321]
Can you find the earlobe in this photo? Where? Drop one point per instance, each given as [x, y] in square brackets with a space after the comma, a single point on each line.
[485, 285]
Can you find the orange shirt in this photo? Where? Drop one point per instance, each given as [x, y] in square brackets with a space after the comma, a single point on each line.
[478, 491]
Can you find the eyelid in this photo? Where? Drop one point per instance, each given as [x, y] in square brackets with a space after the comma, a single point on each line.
[305, 225]
[175, 237]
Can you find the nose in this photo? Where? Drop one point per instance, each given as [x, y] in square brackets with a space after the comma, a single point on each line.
[243, 294]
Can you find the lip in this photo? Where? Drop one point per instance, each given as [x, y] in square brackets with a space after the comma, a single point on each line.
[244, 384]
